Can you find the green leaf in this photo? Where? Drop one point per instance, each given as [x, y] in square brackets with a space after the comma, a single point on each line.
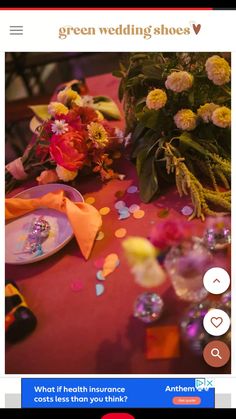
[97, 99]
[108, 109]
[148, 182]
[34, 124]
[118, 73]
[41, 112]
[152, 71]
[187, 140]
[151, 119]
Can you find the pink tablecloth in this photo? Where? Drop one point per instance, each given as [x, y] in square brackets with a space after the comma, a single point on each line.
[78, 332]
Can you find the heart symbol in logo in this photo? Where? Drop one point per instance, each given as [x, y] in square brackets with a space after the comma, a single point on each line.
[216, 321]
[196, 28]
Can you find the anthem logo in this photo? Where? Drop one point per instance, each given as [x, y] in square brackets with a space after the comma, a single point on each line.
[118, 416]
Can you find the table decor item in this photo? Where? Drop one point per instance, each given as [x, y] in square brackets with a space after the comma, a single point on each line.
[178, 118]
[71, 138]
[217, 235]
[63, 209]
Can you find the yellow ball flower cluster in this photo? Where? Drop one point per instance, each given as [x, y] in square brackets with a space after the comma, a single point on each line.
[56, 108]
[221, 117]
[178, 81]
[138, 249]
[186, 120]
[205, 111]
[156, 99]
[67, 95]
[218, 70]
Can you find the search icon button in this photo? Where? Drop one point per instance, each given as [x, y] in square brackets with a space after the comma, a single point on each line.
[216, 354]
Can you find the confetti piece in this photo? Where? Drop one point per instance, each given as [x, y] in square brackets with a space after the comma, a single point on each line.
[119, 194]
[98, 263]
[110, 264]
[123, 216]
[77, 285]
[163, 213]
[132, 189]
[119, 204]
[187, 210]
[123, 210]
[100, 276]
[99, 289]
[104, 210]
[134, 208]
[100, 235]
[138, 214]
[90, 200]
[120, 233]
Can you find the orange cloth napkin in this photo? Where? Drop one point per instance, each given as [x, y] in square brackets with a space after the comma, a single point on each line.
[85, 220]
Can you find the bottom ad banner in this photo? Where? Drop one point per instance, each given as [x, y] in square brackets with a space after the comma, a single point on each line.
[117, 393]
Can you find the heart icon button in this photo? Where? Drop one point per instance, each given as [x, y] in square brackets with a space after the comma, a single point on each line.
[216, 321]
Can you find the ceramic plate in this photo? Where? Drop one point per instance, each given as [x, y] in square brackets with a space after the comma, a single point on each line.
[60, 230]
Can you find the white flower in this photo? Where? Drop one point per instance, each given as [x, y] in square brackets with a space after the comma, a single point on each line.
[59, 126]
[87, 101]
[178, 81]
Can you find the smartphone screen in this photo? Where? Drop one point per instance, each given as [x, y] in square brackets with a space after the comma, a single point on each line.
[117, 210]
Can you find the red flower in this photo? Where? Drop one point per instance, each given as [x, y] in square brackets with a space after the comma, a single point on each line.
[69, 150]
[169, 233]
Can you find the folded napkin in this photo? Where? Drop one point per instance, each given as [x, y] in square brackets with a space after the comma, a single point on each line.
[85, 220]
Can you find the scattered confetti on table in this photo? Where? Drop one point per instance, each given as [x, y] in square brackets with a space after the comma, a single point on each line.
[77, 285]
[110, 264]
[120, 233]
[187, 210]
[99, 289]
[99, 276]
[132, 189]
[100, 235]
[163, 212]
[134, 208]
[90, 200]
[104, 210]
[119, 204]
[138, 214]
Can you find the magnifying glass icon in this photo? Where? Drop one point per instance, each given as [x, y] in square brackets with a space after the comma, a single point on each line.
[216, 353]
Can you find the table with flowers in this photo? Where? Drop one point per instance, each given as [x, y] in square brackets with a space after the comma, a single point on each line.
[86, 325]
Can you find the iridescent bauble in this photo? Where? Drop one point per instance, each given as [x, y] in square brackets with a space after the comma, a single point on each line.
[148, 307]
[225, 301]
[217, 239]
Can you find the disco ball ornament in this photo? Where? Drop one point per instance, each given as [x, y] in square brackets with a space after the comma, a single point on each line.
[192, 330]
[148, 307]
[225, 301]
[217, 236]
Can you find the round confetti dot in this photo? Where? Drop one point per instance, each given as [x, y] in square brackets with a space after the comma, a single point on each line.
[119, 205]
[99, 276]
[104, 210]
[100, 235]
[132, 189]
[76, 285]
[120, 233]
[187, 210]
[90, 200]
[134, 208]
[124, 215]
[123, 210]
[99, 289]
[138, 214]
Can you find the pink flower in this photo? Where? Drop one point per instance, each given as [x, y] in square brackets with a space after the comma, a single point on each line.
[169, 233]
[47, 176]
[69, 150]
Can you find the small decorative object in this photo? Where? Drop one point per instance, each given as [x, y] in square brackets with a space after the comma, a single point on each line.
[148, 307]
[192, 330]
[71, 138]
[185, 265]
[178, 118]
[217, 235]
[226, 301]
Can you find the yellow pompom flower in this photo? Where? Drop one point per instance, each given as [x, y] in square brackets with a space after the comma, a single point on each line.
[66, 175]
[178, 81]
[138, 249]
[56, 108]
[97, 134]
[218, 70]
[156, 99]
[67, 95]
[221, 117]
[205, 111]
[186, 120]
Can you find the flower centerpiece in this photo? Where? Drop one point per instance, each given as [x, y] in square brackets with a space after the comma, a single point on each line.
[71, 137]
[178, 117]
